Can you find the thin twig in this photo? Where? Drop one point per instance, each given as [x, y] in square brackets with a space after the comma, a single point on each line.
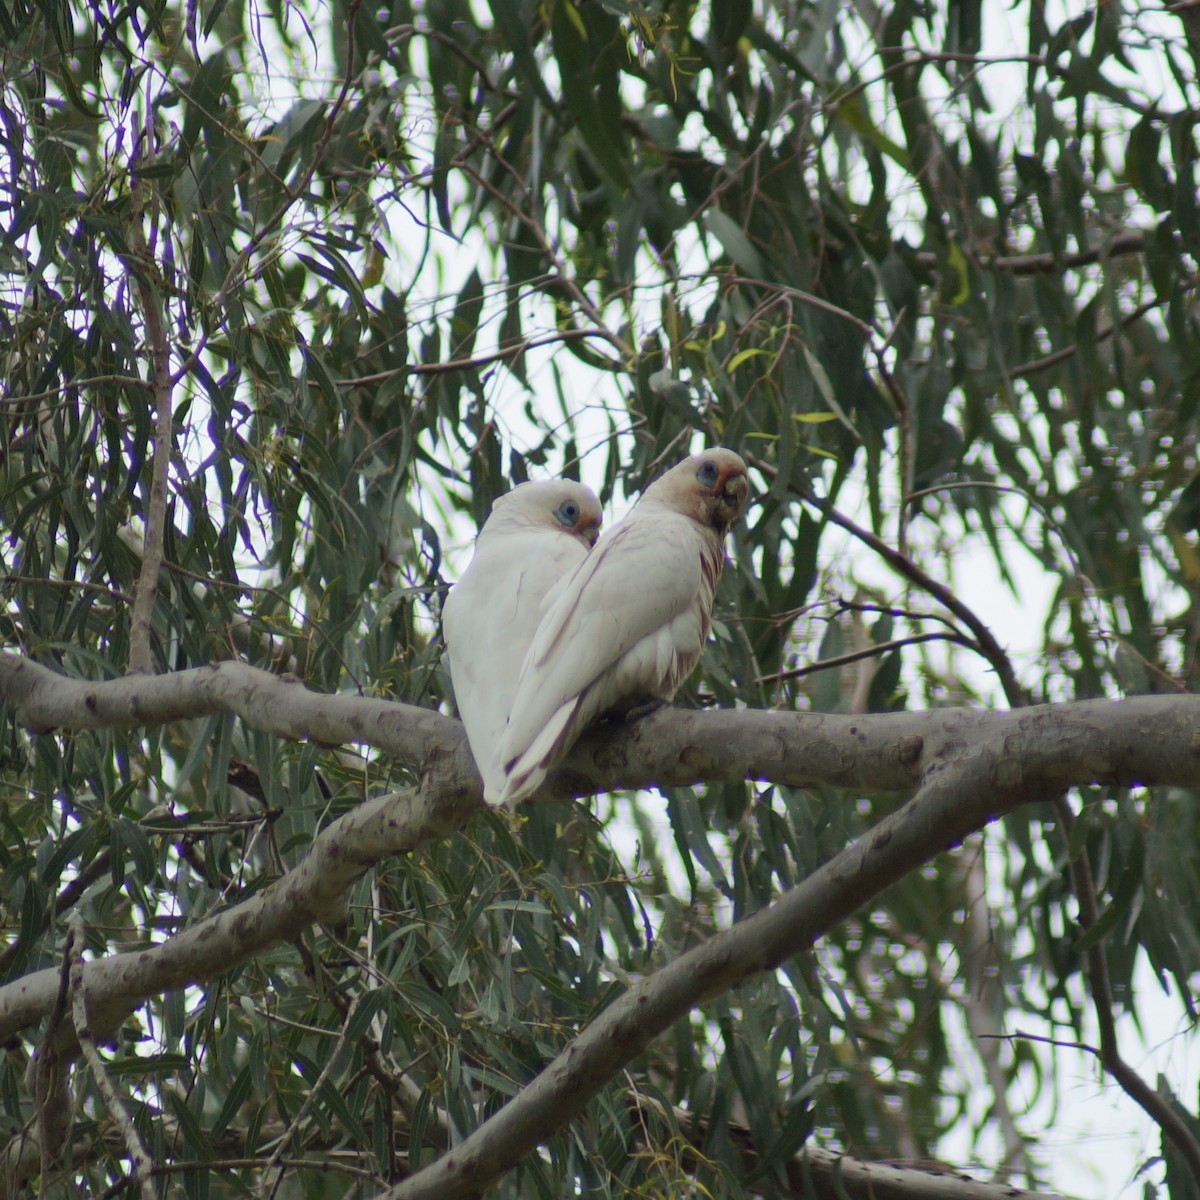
[1130, 242]
[134, 382]
[853, 656]
[892, 610]
[326, 1165]
[1059, 356]
[266, 1186]
[143, 269]
[65, 899]
[902, 565]
[866, 330]
[74, 585]
[503, 353]
[1156, 1107]
[139, 1156]
[562, 277]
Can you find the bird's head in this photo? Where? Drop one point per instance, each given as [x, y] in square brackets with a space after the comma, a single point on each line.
[579, 513]
[711, 487]
[551, 503]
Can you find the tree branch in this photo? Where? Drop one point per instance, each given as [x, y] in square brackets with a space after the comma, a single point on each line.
[818, 1174]
[1156, 1107]
[1024, 370]
[45, 700]
[146, 590]
[1131, 241]
[35, 1152]
[961, 795]
[67, 898]
[139, 1158]
[1153, 740]
[987, 762]
[989, 647]
[315, 891]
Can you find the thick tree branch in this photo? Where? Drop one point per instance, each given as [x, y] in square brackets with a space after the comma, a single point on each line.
[974, 765]
[1147, 739]
[314, 891]
[961, 794]
[45, 700]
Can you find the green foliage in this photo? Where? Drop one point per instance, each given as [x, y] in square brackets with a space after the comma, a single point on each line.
[971, 332]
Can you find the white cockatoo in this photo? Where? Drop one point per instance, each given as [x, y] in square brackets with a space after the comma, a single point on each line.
[629, 623]
[534, 536]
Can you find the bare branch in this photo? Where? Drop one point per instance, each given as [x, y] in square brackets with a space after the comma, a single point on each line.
[968, 793]
[314, 892]
[903, 565]
[819, 1174]
[873, 651]
[45, 700]
[144, 270]
[1058, 356]
[273, 1170]
[1156, 1107]
[970, 767]
[864, 330]
[67, 898]
[506, 352]
[1145, 739]
[138, 1155]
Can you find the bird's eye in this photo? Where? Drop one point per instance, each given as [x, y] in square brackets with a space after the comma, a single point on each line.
[708, 474]
[568, 512]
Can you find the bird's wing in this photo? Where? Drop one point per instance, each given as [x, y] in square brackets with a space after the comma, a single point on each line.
[638, 579]
[489, 619]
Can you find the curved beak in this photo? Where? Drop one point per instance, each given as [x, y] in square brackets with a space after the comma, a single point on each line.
[734, 488]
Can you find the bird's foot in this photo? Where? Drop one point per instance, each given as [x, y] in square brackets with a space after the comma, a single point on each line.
[642, 708]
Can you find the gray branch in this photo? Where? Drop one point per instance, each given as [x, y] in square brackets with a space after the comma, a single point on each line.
[962, 793]
[1147, 739]
[968, 767]
[314, 891]
[818, 1174]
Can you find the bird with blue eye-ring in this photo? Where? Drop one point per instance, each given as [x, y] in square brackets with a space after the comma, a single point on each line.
[534, 537]
[568, 514]
[629, 623]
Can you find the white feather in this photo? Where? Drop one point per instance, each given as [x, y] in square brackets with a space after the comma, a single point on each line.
[523, 551]
[629, 622]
